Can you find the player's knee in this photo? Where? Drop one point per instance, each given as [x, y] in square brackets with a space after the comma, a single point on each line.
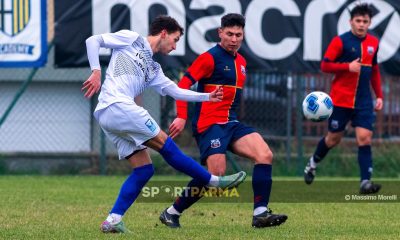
[364, 141]
[265, 157]
[333, 141]
[216, 164]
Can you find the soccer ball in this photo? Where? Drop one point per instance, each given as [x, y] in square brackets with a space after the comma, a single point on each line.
[317, 106]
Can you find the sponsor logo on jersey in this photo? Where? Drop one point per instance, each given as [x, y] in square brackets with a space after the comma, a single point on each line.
[215, 143]
[227, 68]
[243, 69]
[370, 50]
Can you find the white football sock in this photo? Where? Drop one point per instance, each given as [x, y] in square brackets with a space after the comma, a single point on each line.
[114, 218]
[363, 182]
[259, 210]
[172, 210]
[313, 164]
[214, 180]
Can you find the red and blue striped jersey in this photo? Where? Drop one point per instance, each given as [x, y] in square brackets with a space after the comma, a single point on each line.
[350, 89]
[216, 67]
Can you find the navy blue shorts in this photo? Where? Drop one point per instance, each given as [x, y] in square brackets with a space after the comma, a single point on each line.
[219, 137]
[364, 118]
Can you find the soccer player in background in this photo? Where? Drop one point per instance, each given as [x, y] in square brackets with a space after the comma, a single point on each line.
[216, 127]
[131, 70]
[352, 57]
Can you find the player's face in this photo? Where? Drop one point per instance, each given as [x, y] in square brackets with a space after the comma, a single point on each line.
[231, 38]
[360, 24]
[168, 41]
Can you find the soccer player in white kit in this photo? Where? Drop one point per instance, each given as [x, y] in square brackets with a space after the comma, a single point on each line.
[130, 71]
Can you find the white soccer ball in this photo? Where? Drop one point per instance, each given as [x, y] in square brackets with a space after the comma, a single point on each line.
[317, 106]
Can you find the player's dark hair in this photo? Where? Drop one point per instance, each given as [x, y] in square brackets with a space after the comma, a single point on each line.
[361, 10]
[233, 19]
[164, 22]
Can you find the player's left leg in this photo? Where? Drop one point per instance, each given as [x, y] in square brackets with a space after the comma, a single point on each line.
[142, 171]
[364, 140]
[113, 121]
[253, 146]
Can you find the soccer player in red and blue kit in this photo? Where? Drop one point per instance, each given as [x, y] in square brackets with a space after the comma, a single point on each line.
[216, 127]
[352, 57]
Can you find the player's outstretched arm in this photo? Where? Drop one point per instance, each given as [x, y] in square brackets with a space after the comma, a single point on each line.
[191, 96]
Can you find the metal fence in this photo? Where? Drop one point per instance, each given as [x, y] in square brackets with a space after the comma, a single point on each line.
[52, 120]
[272, 104]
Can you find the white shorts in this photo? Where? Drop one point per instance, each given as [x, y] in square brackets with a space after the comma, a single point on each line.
[127, 125]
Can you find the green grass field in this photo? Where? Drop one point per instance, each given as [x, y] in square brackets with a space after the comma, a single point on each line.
[72, 207]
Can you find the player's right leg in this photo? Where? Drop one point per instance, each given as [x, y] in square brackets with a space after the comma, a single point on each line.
[142, 171]
[326, 143]
[178, 160]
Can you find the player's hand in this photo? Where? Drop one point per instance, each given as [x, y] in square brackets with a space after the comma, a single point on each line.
[355, 66]
[92, 84]
[176, 127]
[217, 94]
[379, 104]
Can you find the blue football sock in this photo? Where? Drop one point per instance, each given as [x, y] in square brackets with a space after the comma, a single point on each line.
[190, 196]
[321, 151]
[132, 187]
[365, 162]
[262, 184]
[174, 157]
